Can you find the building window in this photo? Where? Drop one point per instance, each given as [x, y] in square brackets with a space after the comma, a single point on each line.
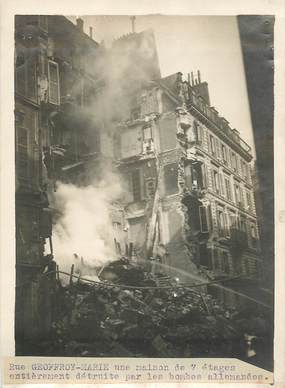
[225, 262]
[147, 133]
[171, 179]
[253, 235]
[232, 220]
[222, 185]
[198, 133]
[222, 224]
[212, 145]
[195, 176]
[248, 173]
[224, 154]
[241, 197]
[234, 161]
[204, 219]
[242, 223]
[216, 181]
[238, 195]
[53, 76]
[26, 76]
[248, 201]
[244, 170]
[238, 165]
[147, 139]
[136, 185]
[22, 156]
[228, 189]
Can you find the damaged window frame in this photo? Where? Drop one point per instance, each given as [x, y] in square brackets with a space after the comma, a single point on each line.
[147, 143]
[50, 98]
[204, 224]
[136, 185]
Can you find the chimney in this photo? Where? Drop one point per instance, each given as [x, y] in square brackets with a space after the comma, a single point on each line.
[91, 32]
[179, 76]
[199, 77]
[133, 19]
[79, 23]
[192, 78]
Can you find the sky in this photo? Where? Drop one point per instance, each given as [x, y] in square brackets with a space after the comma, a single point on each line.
[210, 44]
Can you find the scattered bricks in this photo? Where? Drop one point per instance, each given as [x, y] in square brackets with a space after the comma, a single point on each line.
[157, 322]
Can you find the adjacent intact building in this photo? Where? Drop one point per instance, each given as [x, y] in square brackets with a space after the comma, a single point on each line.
[189, 197]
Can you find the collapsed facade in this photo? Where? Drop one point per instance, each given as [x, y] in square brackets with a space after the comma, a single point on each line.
[188, 203]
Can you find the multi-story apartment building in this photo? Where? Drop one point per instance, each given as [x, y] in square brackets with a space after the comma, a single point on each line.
[57, 136]
[190, 196]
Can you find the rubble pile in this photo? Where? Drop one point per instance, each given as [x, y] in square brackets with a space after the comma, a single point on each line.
[147, 320]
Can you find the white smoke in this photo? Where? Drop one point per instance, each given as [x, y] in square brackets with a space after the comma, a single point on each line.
[85, 225]
[85, 228]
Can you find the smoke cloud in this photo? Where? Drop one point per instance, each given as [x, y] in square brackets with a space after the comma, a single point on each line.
[85, 226]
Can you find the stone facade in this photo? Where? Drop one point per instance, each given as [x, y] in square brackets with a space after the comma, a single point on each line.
[205, 212]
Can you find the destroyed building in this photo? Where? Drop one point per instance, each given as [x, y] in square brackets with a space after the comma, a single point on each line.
[62, 88]
[189, 195]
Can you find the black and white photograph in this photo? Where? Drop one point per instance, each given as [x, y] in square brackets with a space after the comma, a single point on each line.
[144, 186]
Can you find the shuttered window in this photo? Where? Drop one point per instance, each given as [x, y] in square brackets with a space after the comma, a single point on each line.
[198, 132]
[26, 76]
[53, 75]
[204, 219]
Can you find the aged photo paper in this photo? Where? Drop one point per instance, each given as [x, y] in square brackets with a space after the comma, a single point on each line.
[141, 193]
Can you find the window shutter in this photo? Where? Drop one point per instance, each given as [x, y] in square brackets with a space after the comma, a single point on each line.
[31, 78]
[53, 75]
